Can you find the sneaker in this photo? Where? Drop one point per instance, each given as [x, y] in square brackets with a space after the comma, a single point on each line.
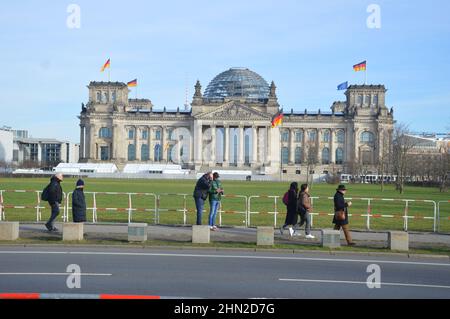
[215, 228]
[296, 234]
[48, 227]
[351, 244]
[310, 236]
[291, 231]
[54, 229]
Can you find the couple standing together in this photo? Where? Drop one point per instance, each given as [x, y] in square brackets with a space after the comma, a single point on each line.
[208, 185]
[298, 203]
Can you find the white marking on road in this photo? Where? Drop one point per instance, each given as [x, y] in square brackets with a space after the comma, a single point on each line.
[48, 274]
[227, 256]
[365, 283]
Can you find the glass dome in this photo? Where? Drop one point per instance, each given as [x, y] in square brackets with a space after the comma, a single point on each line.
[238, 82]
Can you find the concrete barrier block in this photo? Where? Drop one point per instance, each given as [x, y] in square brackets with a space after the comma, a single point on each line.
[73, 231]
[137, 232]
[9, 230]
[265, 236]
[398, 240]
[331, 238]
[201, 234]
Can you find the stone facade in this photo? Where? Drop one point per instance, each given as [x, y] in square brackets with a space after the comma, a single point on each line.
[235, 132]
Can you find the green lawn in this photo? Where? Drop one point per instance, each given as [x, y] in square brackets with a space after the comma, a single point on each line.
[265, 206]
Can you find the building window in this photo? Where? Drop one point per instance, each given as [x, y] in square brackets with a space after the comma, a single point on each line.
[367, 137]
[131, 152]
[131, 134]
[367, 100]
[15, 155]
[285, 155]
[34, 152]
[104, 153]
[285, 136]
[158, 135]
[298, 155]
[312, 136]
[170, 155]
[298, 172]
[170, 134]
[339, 156]
[51, 153]
[326, 156]
[99, 96]
[145, 153]
[299, 137]
[105, 97]
[158, 154]
[114, 96]
[341, 136]
[105, 132]
[360, 100]
[144, 134]
[326, 137]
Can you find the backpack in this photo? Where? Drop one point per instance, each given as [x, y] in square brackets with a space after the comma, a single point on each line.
[286, 198]
[45, 193]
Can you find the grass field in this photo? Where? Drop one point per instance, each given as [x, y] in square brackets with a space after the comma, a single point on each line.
[262, 205]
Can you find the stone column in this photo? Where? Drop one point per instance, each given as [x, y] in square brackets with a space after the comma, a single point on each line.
[164, 142]
[332, 151]
[226, 143]
[198, 143]
[213, 160]
[92, 144]
[241, 147]
[291, 147]
[82, 143]
[268, 145]
[254, 161]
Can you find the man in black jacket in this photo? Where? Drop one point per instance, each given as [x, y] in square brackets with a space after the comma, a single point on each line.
[55, 197]
[201, 194]
[79, 203]
[341, 205]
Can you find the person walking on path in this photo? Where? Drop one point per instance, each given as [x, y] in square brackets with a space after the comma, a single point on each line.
[201, 192]
[79, 203]
[54, 198]
[291, 216]
[215, 197]
[340, 219]
[304, 209]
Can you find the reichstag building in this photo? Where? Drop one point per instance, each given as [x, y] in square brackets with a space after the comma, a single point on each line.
[229, 127]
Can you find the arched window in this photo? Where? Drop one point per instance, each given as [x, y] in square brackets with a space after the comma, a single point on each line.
[158, 135]
[341, 136]
[367, 137]
[131, 134]
[105, 132]
[298, 155]
[375, 100]
[131, 152]
[157, 153]
[145, 154]
[285, 136]
[326, 156]
[339, 156]
[326, 136]
[285, 155]
[298, 136]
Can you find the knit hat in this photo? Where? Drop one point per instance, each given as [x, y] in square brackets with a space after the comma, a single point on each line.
[80, 182]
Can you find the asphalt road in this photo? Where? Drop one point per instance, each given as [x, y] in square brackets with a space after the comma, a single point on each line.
[219, 274]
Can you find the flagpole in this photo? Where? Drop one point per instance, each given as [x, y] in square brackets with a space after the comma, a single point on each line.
[365, 74]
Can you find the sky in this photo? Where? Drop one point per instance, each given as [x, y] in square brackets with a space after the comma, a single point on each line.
[306, 47]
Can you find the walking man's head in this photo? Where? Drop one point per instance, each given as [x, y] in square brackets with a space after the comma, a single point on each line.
[59, 176]
[80, 183]
[304, 188]
[216, 175]
[342, 189]
[209, 175]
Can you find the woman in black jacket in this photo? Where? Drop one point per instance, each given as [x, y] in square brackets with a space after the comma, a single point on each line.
[292, 215]
[79, 203]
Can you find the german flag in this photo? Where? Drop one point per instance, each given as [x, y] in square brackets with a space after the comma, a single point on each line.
[106, 65]
[360, 66]
[277, 119]
[132, 83]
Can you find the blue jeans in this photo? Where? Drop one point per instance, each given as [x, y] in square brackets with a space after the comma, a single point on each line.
[213, 211]
[199, 204]
[55, 213]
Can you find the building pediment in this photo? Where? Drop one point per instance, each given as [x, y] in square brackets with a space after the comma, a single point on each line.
[234, 111]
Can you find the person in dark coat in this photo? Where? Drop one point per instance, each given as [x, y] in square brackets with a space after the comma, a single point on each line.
[79, 203]
[292, 215]
[341, 205]
[55, 196]
[201, 194]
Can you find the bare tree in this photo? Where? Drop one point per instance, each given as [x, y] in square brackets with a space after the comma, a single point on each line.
[443, 167]
[402, 144]
[385, 158]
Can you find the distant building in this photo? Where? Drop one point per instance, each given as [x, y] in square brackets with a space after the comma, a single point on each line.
[6, 145]
[229, 127]
[44, 151]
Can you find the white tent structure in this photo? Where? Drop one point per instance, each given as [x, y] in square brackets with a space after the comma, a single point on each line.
[79, 168]
[154, 169]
